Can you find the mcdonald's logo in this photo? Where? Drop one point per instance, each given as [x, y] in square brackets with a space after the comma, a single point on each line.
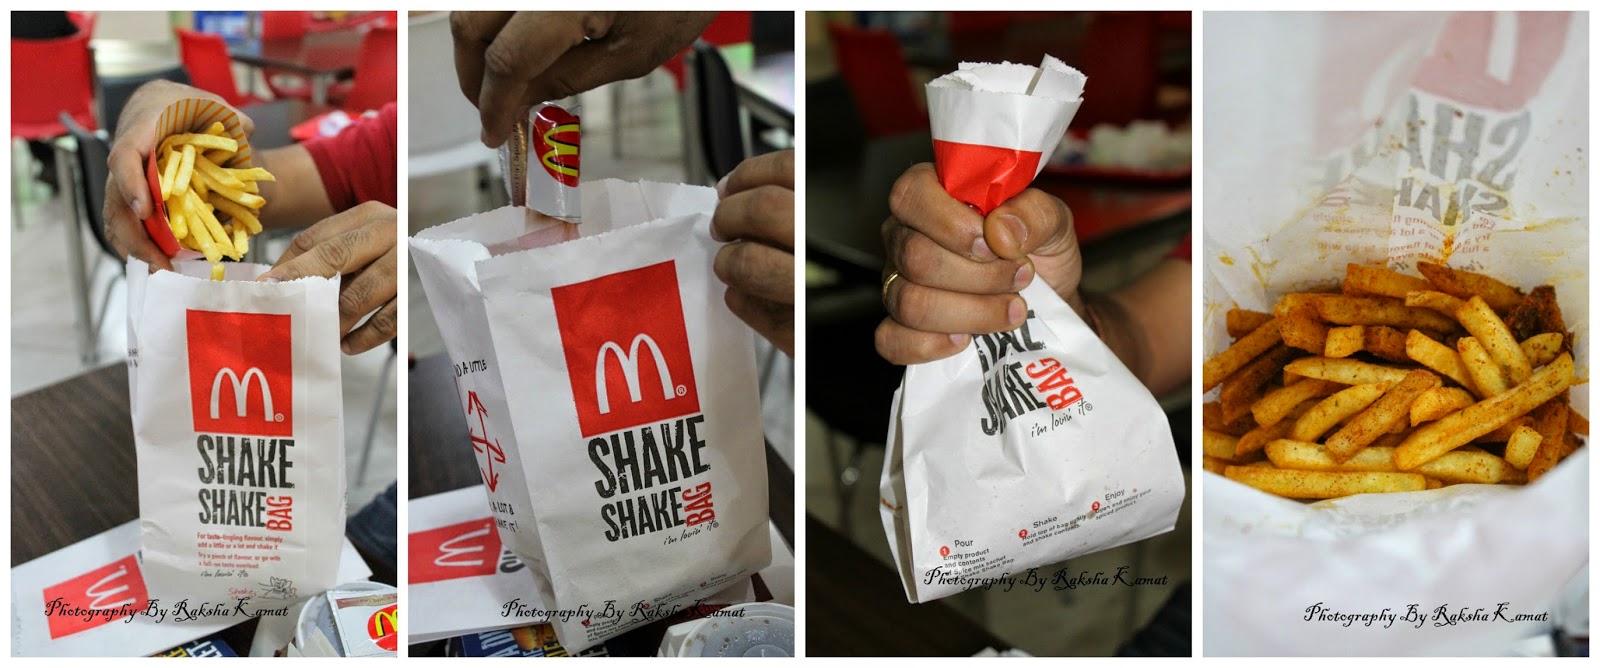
[556, 139]
[468, 549]
[241, 373]
[626, 349]
[114, 585]
[383, 627]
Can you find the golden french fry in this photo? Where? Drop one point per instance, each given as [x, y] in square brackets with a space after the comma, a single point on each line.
[1432, 299]
[241, 241]
[1217, 444]
[1522, 446]
[1503, 433]
[1295, 301]
[1491, 331]
[236, 212]
[1239, 354]
[1254, 440]
[1384, 414]
[198, 230]
[1386, 342]
[180, 182]
[218, 156]
[1465, 284]
[1487, 376]
[217, 129]
[1361, 280]
[1431, 440]
[178, 222]
[243, 198]
[1439, 402]
[1323, 484]
[217, 272]
[1434, 483]
[1541, 348]
[1278, 403]
[1301, 329]
[1211, 418]
[253, 174]
[201, 141]
[1537, 313]
[1344, 371]
[1344, 341]
[1440, 358]
[1455, 467]
[217, 175]
[213, 226]
[1214, 464]
[169, 173]
[1334, 409]
[1241, 322]
[1245, 387]
[1551, 421]
[1341, 310]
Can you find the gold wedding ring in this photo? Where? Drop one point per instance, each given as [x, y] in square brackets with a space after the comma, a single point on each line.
[887, 282]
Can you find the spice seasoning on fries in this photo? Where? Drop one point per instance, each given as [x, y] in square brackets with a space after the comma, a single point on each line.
[1399, 384]
[200, 194]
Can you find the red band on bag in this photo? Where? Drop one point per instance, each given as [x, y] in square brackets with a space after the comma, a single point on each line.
[115, 586]
[465, 550]
[984, 176]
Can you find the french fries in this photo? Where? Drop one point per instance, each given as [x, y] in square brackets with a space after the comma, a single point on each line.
[197, 188]
[1410, 384]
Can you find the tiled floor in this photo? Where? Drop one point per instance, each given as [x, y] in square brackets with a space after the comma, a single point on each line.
[44, 343]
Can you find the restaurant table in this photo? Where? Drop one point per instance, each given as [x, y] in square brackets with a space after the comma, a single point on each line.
[856, 606]
[73, 470]
[323, 57]
[765, 84]
[441, 460]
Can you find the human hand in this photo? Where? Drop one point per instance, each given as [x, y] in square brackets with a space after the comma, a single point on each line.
[358, 245]
[128, 200]
[509, 61]
[756, 215]
[953, 272]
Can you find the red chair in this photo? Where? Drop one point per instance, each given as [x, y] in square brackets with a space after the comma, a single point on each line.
[876, 73]
[285, 25]
[377, 80]
[205, 57]
[51, 76]
[727, 28]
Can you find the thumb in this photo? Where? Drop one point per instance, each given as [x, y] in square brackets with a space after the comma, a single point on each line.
[1032, 223]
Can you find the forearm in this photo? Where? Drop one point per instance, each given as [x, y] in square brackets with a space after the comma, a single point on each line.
[1147, 324]
[297, 198]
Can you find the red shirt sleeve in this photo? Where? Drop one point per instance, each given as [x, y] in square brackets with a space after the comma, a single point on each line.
[1184, 249]
[360, 163]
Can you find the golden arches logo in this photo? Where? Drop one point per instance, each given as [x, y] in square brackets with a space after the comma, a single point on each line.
[383, 627]
[556, 136]
[559, 149]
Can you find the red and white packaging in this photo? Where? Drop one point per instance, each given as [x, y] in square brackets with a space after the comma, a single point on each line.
[1032, 446]
[103, 573]
[189, 115]
[612, 401]
[994, 125]
[234, 387]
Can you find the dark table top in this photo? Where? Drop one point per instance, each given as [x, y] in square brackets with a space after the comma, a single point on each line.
[73, 469]
[855, 606]
[441, 460]
[322, 53]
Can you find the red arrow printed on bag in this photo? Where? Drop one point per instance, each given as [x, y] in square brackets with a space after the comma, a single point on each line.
[481, 442]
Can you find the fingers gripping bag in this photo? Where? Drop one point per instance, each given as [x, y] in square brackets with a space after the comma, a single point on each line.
[234, 387]
[611, 398]
[1386, 140]
[1035, 445]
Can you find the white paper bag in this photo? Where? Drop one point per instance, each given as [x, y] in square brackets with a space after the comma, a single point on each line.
[103, 573]
[612, 400]
[1397, 137]
[235, 394]
[1036, 445]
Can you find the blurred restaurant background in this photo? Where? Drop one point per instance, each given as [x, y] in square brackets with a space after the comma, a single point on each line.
[1123, 169]
[296, 74]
